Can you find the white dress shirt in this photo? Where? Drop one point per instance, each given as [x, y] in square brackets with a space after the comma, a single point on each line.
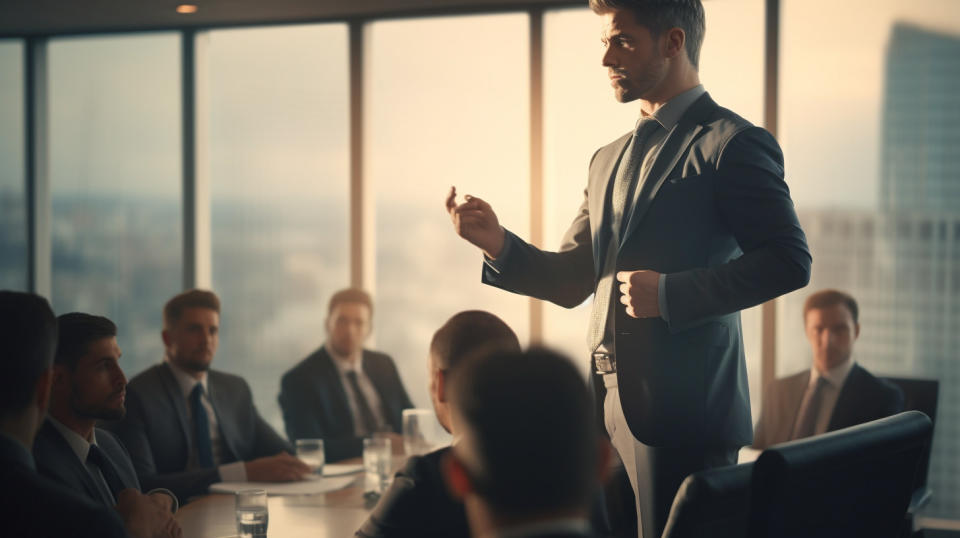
[353, 364]
[229, 472]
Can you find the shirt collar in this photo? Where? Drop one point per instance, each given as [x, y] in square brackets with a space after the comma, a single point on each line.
[344, 364]
[185, 380]
[836, 376]
[570, 525]
[79, 445]
[670, 113]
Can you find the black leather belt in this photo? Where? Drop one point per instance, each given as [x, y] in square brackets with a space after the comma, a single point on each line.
[604, 363]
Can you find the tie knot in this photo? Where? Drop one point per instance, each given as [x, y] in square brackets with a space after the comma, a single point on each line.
[645, 126]
[95, 455]
[197, 391]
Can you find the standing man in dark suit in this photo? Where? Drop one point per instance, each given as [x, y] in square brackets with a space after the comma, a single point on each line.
[529, 455]
[188, 426]
[417, 502]
[30, 504]
[342, 392]
[836, 392]
[685, 222]
[88, 385]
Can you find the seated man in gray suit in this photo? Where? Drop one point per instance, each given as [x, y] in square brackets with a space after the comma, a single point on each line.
[188, 426]
[417, 502]
[529, 457]
[836, 392]
[342, 392]
[34, 505]
[88, 385]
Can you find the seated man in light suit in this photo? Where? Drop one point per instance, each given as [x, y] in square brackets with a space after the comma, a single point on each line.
[529, 456]
[417, 502]
[34, 505]
[342, 392]
[188, 426]
[836, 392]
[88, 385]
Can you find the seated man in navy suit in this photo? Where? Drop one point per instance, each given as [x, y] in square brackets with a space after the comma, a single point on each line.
[417, 503]
[529, 457]
[836, 392]
[88, 385]
[342, 392]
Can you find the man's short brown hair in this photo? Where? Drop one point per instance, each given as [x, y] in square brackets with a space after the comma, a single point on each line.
[828, 298]
[351, 295]
[469, 332]
[194, 298]
[659, 16]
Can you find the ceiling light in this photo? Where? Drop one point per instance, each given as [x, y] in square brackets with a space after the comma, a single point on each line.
[186, 8]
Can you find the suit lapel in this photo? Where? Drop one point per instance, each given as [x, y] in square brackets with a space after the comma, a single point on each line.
[846, 400]
[66, 457]
[600, 190]
[338, 394]
[669, 154]
[792, 401]
[172, 388]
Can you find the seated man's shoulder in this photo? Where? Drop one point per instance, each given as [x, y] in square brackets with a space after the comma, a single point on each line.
[378, 359]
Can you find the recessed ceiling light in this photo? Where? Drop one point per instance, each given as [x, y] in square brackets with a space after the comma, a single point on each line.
[186, 8]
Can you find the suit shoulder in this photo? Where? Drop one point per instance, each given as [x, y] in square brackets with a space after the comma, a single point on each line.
[878, 385]
[308, 364]
[378, 357]
[149, 379]
[426, 466]
[225, 380]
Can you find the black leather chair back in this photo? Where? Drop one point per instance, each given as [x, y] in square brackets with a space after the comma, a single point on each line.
[854, 482]
[920, 395]
[712, 504]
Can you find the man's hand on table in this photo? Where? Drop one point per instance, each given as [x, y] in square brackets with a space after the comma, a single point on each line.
[279, 468]
[144, 517]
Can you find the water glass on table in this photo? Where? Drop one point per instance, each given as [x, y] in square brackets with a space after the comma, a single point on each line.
[376, 463]
[310, 451]
[421, 431]
[252, 516]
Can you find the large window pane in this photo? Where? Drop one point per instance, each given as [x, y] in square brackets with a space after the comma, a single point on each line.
[447, 104]
[870, 123]
[115, 183]
[279, 171]
[13, 214]
[581, 115]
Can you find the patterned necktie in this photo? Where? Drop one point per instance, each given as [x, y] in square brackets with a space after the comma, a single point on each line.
[366, 414]
[109, 472]
[624, 186]
[201, 427]
[807, 421]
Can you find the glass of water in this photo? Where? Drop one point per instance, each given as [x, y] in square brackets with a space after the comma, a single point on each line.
[251, 509]
[376, 463]
[310, 451]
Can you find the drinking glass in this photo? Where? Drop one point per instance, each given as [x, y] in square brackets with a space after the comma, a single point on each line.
[376, 464]
[422, 431]
[251, 510]
[310, 451]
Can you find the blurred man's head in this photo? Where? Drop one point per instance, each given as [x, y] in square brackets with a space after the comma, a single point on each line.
[830, 321]
[529, 449]
[191, 325]
[88, 383]
[349, 321]
[463, 335]
[28, 338]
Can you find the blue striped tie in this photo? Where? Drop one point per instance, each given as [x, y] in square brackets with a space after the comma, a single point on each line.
[201, 427]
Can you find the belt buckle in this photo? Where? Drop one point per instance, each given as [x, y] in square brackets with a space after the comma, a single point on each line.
[604, 363]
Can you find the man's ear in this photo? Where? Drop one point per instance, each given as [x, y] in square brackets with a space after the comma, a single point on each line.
[42, 391]
[455, 476]
[856, 331]
[165, 334]
[441, 380]
[675, 39]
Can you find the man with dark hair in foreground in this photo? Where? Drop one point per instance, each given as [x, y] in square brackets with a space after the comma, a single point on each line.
[529, 457]
[417, 503]
[88, 385]
[31, 504]
[188, 426]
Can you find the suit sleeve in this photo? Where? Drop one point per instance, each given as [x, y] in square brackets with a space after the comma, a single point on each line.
[133, 435]
[268, 441]
[565, 277]
[761, 434]
[753, 200]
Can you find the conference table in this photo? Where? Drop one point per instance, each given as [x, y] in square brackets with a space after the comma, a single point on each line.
[333, 514]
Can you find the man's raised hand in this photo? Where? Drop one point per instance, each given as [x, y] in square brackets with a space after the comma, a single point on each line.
[475, 221]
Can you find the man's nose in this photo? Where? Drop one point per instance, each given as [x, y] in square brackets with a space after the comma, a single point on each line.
[607, 59]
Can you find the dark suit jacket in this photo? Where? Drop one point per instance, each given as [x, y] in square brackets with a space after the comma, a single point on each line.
[33, 505]
[862, 398]
[315, 406]
[715, 215]
[56, 460]
[157, 430]
[417, 504]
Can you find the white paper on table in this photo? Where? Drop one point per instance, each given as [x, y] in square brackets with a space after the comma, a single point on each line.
[303, 487]
[340, 469]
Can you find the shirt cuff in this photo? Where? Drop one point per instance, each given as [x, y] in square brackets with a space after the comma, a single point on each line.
[233, 472]
[498, 263]
[662, 298]
[174, 504]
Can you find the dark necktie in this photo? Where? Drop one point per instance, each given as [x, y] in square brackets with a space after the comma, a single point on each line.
[366, 414]
[807, 421]
[201, 428]
[109, 472]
